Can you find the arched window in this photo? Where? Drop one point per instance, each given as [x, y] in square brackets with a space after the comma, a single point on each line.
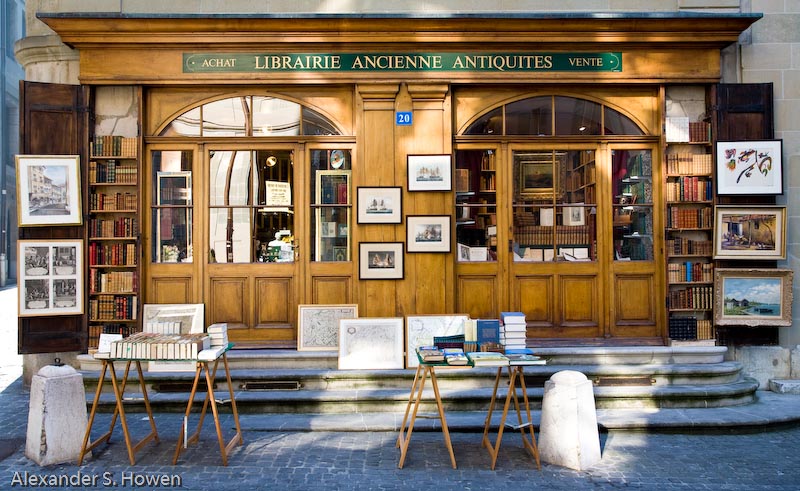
[250, 116]
[553, 116]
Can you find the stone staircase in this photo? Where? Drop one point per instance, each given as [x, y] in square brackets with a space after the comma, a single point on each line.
[288, 381]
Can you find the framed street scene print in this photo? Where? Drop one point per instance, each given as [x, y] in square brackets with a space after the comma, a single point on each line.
[380, 261]
[379, 204]
[428, 233]
[753, 297]
[750, 167]
[318, 325]
[753, 232]
[430, 173]
[50, 277]
[48, 190]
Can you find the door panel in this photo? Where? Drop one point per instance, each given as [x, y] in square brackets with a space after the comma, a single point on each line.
[579, 295]
[477, 296]
[171, 289]
[535, 298]
[635, 299]
[327, 290]
[274, 296]
[227, 302]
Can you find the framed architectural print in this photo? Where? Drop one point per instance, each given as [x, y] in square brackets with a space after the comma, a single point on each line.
[430, 173]
[379, 204]
[318, 325]
[428, 233]
[753, 297]
[380, 261]
[753, 232]
[750, 167]
[48, 190]
[421, 329]
[371, 343]
[50, 277]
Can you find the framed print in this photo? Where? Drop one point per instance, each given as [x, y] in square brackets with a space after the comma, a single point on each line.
[750, 167]
[50, 277]
[421, 329]
[430, 173]
[428, 233]
[371, 343]
[753, 297]
[48, 190]
[573, 215]
[753, 232]
[379, 204]
[318, 325]
[380, 261]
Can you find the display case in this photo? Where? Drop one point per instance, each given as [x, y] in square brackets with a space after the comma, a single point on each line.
[332, 215]
[476, 205]
[113, 236]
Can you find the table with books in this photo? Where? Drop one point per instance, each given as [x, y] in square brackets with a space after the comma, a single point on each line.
[204, 350]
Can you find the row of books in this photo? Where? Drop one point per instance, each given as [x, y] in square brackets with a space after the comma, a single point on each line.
[113, 202]
[95, 330]
[680, 129]
[690, 217]
[689, 163]
[457, 357]
[696, 297]
[113, 281]
[155, 346]
[113, 172]
[690, 328]
[113, 307]
[683, 247]
[114, 146]
[543, 235]
[690, 272]
[120, 227]
[689, 189]
[112, 254]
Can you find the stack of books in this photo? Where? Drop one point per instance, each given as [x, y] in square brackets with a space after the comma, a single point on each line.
[523, 356]
[430, 354]
[455, 356]
[487, 359]
[512, 330]
[218, 334]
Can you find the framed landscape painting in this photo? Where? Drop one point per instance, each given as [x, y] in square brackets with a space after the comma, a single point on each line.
[430, 173]
[753, 232]
[753, 297]
[750, 167]
[318, 325]
[50, 277]
[48, 190]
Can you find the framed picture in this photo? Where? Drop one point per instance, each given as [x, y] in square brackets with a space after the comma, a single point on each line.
[48, 190]
[753, 297]
[750, 167]
[380, 261]
[173, 318]
[379, 204]
[428, 233]
[318, 325]
[430, 173]
[371, 343]
[50, 277]
[421, 329]
[573, 215]
[753, 232]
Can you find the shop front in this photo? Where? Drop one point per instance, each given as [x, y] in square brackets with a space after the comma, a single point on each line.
[317, 161]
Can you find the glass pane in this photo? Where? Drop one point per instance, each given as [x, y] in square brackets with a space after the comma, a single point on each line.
[228, 117]
[230, 235]
[169, 162]
[534, 228]
[580, 177]
[187, 124]
[476, 205]
[617, 123]
[632, 188]
[172, 228]
[331, 231]
[230, 172]
[577, 116]
[316, 124]
[530, 117]
[490, 123]
[275, 117]
[273, 236]
[272, 181]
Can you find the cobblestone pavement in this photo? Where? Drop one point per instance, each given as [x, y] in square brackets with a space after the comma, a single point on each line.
[328, 461]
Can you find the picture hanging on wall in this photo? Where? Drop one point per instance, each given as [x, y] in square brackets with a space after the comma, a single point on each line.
[750, 167]
[753, 232]
[50, 277]
[753, 297]
[48, 190]
[428, 233]
[430, 173]
[380, 261]
[379, 204]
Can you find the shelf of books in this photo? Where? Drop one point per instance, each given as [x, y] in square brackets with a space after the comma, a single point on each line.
[689, 218]
[113, 237]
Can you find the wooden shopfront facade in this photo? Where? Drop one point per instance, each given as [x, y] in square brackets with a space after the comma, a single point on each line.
[264, 128]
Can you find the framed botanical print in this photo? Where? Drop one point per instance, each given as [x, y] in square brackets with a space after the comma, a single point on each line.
[50, 277]
[750, 167]
[752, 232]
[430, 173]
[48, 190]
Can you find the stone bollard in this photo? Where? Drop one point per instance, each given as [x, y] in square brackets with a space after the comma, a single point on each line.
[568, 434]
[57, 416]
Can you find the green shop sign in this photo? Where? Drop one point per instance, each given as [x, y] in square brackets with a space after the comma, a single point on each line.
[401, 62]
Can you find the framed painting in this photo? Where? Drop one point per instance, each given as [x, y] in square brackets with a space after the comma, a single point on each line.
[50, 277]
[48, 190]
[421, 329]
[318, 325]
[379, 204]
[380, 261]
[753, 297]
[428, 233]
[430, 173]
[371, 343]
[753, 232]
[750, 167]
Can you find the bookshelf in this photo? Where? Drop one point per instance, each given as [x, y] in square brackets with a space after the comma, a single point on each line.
[113, 236]
[476, 205]
[689, 218]
[332, 215]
